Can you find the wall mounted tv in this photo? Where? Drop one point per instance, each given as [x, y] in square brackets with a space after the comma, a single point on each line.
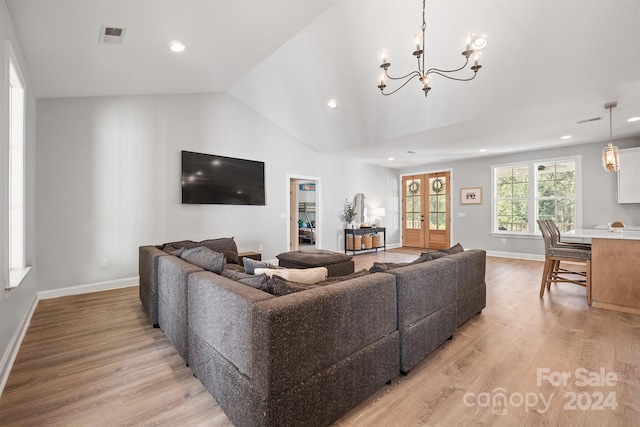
[218, 180]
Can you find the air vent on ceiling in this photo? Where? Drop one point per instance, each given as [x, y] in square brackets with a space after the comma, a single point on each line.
[111, 35]
[594, 119]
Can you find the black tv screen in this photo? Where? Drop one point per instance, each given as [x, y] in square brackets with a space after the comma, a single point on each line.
[219, 180]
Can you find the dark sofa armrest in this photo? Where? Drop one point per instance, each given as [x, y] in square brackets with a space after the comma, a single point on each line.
[148, 285]
[297, 335]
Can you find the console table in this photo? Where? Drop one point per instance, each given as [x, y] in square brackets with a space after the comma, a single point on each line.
[360, 231]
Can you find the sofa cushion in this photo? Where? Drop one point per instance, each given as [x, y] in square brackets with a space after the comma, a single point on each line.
[279, 286]
[204, 258]
[308, 276]
[381, 267]
[255, 281]
[187, 244]
[444, 252]
[313, 257]
[224, 245]
[251, 264]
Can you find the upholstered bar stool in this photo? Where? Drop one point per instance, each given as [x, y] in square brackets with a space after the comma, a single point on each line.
[556, 239]
[555, 254]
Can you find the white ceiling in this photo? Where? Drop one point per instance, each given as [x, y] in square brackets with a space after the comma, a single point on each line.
[549, 64]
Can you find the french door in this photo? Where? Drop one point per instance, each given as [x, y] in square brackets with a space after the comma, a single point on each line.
[426, 205]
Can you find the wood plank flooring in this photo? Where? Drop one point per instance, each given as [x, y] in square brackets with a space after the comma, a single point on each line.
[94, 360]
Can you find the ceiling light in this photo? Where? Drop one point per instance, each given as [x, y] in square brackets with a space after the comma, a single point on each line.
[391, 159]
[422, 73]
[479, 43]
[565, 137]
[633, 119]
[610, 158]
[177, 47]
[332, 103]
[483, 150]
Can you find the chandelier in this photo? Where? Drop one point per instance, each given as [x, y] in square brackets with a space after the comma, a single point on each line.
[610, 157]
[422, 73]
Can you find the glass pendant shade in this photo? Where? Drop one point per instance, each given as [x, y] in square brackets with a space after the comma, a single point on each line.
[610, 158]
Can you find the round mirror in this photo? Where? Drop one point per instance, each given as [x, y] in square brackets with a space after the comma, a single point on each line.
[360, 204]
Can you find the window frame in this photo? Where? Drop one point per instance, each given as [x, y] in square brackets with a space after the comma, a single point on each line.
[532, 226]
[16, 179]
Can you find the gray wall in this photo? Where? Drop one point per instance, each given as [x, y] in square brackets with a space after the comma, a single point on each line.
[599, 190]
[109, 181]
[15, 307]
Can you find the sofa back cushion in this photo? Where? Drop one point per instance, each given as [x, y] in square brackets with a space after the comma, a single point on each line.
[425, 288]
[224, 245]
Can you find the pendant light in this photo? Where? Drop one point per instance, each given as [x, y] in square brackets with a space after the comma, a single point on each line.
[610, 156]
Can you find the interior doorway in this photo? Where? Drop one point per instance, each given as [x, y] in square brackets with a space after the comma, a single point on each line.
[304, 224]
[426, 210]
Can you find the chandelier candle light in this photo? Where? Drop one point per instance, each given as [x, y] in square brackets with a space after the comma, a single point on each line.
[422, 73]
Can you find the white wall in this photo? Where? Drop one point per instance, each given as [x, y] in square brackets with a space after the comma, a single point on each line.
[109, 181]
[599, 190]
[15, 308]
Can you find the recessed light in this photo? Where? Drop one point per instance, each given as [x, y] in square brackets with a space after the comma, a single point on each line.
[483, 150]
[633, 119]
[332, 103]
[479, 43]
[391, 159]
[565, 137]
[176, 47]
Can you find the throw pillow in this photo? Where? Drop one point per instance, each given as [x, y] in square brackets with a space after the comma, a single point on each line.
[204, 258]
[381, 267]
[453, 249]
[251, 264]
[425, 256]
[308, 276]
[255, 281]
[338, 279]
[279, 286]
[224, 245]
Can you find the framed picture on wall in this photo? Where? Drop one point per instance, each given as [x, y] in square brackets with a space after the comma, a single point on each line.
[471, 196]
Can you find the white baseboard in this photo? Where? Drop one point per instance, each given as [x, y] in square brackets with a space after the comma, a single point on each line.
[531, 257]
[9, 357]
[393, 245]
[93, 287]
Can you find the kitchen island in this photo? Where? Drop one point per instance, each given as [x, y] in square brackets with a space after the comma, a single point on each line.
[615, 267]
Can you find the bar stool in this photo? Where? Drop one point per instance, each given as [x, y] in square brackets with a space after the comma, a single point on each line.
[556, 239]
[555, 254]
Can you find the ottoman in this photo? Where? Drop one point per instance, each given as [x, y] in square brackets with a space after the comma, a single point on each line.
[336, 263]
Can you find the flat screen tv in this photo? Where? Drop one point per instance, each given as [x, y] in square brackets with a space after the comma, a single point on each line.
[219, 180]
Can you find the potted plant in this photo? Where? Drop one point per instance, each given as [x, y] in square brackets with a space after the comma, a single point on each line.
[348, 213]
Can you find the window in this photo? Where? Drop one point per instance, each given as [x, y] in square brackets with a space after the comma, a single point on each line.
[542, 189]
[17, 262]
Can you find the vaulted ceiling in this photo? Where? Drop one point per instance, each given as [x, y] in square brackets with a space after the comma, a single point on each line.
[548, 65]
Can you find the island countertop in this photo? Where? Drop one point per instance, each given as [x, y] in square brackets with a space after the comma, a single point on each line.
[592, 233]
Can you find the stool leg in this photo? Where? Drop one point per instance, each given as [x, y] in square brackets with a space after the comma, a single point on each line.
[545, 275]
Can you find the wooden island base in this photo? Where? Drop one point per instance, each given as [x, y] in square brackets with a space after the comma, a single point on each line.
[615, 274]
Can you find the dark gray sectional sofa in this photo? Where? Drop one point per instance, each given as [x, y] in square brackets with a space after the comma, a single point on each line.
[306, 358]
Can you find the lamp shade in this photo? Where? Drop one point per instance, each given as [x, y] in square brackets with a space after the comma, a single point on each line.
[376, 212]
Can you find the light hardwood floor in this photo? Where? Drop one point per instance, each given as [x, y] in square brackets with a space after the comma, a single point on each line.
[94, 360]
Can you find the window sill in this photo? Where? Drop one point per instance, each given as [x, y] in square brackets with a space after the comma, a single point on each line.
[17, 276]
[512, 235]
